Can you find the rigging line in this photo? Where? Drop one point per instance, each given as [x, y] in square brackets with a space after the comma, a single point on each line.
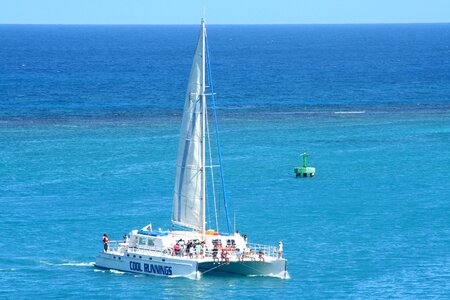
[217, 134]
[210, 162]
[208, 205]
[212, 173]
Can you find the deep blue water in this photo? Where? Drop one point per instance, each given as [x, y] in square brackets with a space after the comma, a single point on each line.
[89, 124]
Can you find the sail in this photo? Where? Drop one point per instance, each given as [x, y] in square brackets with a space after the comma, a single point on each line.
[189, 190]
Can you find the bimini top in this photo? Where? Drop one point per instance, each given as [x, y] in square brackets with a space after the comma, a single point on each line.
[153, 233]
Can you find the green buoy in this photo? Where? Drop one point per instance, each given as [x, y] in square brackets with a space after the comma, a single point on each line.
[305, 170]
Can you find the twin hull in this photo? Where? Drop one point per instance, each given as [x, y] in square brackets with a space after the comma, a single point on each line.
[167, 266]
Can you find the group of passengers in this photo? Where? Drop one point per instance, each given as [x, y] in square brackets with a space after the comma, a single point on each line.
[190, 249]
[229, 250]
[219, 253]
[223, 252]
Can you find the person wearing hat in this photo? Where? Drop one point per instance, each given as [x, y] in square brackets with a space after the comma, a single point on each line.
[280, 250]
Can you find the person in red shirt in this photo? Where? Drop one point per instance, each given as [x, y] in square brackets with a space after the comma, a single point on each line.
[176, 249]
[261, 256]
[105, 242]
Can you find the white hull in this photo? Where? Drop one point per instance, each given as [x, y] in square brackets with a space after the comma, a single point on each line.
[176, 267]
[146, 264]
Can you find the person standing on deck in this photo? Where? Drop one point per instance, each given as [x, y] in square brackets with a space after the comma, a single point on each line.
[261, 256]
[198, 250]
[105, 242]
[280, 250]
[176, 249]
[182, 248]
[215, 251]
[191, 250]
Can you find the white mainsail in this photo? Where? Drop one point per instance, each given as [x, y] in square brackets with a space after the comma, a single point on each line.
[189, 191]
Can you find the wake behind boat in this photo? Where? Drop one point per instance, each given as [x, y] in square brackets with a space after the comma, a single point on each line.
[194, 249]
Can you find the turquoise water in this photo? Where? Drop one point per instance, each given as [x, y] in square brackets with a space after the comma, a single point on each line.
[86, 151]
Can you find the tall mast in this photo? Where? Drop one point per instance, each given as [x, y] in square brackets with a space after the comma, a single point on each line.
[217, 135]
[203, 90]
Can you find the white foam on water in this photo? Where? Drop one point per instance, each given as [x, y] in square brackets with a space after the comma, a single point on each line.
[70, 264]
[193, 276]
[116, 272]
[98, 270]
[350, 112]
[79, 264]
[281, 275]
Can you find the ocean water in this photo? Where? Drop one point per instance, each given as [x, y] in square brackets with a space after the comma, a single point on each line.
[89, 126]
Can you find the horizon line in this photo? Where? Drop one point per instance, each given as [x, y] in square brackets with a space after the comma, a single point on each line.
[228, 24]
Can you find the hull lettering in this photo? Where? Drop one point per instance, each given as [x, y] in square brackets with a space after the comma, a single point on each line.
[150, 268]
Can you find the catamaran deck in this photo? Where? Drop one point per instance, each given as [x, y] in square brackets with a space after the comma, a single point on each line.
[269, 253]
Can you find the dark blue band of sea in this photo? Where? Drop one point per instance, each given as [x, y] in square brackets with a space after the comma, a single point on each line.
[98, 115]
[52, 73]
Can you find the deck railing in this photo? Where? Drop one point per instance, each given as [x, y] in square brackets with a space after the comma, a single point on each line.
[265, 249]
[122, 247]
[251, 252]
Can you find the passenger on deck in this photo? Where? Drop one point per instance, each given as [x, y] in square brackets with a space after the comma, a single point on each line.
[227, 257]
[188, 247]
[219, 247]
[224, 256]
[215, 251]
[261, 256]
[181, 243]
[233, 245]
[176, 249]
[204, 248]
[280, 250]
[252, 255]
[191, 250]
[239, 254]
[105, 242]
[198, 251]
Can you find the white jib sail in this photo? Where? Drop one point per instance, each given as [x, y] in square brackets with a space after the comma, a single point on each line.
[188, 200]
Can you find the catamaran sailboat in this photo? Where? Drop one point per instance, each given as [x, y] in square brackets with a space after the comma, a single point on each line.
[193, 249]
